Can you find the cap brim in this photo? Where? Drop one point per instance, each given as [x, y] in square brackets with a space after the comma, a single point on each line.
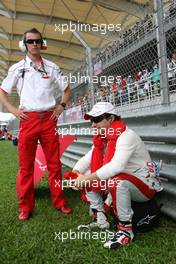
[87, 116]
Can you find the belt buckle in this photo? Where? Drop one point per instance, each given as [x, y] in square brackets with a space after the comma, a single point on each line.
[41, 115]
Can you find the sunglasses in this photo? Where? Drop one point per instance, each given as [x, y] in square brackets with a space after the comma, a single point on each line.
[97, 119]
[31, 41]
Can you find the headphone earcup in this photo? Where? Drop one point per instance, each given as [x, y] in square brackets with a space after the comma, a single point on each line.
[22, 46]
[44, 45]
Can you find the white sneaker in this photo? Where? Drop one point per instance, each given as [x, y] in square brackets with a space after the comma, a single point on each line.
[121, 238]
[100, 221]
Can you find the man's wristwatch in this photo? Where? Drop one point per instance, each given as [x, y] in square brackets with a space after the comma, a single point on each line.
[63, 105]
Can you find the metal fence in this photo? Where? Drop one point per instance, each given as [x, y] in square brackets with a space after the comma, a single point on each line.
[139, 68]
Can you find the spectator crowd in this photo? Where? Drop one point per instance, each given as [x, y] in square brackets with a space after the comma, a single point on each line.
[126, 39]
[144, 83]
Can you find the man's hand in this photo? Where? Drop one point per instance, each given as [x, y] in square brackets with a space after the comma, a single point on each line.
[19, 114]
[76, 171]
[12, 109]
[57, 111]
[80, 182]
[85, 180]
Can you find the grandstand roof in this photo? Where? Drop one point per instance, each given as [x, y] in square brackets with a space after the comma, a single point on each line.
[16, 16]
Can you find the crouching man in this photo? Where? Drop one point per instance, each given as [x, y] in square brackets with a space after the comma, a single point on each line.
[119, 156]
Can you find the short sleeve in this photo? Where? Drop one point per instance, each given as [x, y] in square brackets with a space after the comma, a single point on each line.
[10, 81]
[59, 79]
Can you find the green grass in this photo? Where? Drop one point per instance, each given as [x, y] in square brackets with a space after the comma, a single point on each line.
[33, 241]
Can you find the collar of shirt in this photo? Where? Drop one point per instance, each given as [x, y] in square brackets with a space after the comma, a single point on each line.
[40, 68]
[28, 61]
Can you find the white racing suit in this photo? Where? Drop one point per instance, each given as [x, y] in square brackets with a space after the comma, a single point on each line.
[133, 179]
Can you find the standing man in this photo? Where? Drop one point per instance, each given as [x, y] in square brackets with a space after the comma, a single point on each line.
[37, 81]
[119, 159]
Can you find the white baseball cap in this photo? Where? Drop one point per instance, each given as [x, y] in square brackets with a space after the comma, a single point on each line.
[100, 109]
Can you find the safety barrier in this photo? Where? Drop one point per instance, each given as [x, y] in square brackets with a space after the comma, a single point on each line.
[157, 127]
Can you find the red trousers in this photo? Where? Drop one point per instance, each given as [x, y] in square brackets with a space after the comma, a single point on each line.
[38, 126]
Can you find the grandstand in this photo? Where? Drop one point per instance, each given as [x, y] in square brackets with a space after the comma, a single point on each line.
[130, 56]
[133, 61]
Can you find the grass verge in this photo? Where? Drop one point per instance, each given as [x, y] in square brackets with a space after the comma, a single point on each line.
[38, 240]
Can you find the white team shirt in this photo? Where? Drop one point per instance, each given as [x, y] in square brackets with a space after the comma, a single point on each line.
[131, 157]
[36, 93]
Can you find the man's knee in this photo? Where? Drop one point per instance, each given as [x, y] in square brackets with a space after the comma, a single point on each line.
[119, 186]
